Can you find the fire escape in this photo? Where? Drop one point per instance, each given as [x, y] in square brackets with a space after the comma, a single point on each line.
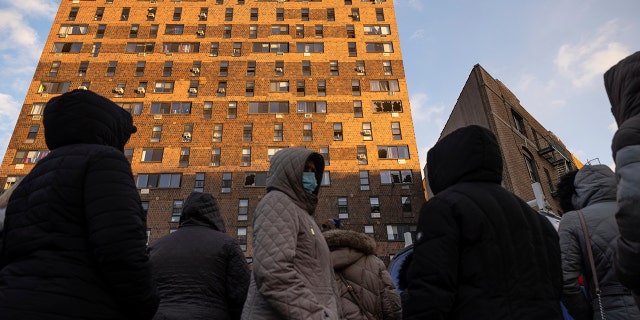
[555, 154]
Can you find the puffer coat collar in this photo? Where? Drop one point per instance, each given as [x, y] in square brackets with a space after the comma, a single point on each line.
[594, 183]
[201, 209]
[348, 246]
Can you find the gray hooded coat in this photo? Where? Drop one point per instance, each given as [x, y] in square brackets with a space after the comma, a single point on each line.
[200, 270]
[292, 274]
[595, 188]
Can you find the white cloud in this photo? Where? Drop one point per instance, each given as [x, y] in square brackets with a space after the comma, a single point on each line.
[587, 60]
[43, 8]
[418, 34]
[9, 110]
[419, 108]
[413, 4]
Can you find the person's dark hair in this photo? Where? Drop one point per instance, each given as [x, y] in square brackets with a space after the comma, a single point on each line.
[566, 190]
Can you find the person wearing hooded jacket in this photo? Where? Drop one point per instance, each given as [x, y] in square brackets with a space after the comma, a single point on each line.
[200, 270]
[594, 194]
[480, 251]
[75, 231]
[292, 275]
[622, 82]
[353, 255]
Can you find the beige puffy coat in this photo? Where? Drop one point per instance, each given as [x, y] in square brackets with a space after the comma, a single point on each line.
[353, 256]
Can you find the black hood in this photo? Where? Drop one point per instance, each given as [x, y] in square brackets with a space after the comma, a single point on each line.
[622, 83]
[467, 154]
[201, 209]
[82, 116]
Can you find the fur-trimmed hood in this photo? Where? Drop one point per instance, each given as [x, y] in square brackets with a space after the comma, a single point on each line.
[348, 246]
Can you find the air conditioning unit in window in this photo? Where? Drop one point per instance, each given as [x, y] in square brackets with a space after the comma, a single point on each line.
[193, 90]
[151, 15]
[279, 70]
[360, 69]
[366, 132]
[362, 156]
[141, 90]
[200, 33]
[281, 1]
[222, 90]
[186, 135]
[83, 87]
[118, 90]
[62, 35]
[195, 70]
[203, 15]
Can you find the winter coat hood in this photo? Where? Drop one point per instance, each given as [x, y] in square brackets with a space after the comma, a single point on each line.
[594, 183]
[467, 154]
[622, 82]
[285, 175]
[95, 119]
[201, 209]
[353, 245]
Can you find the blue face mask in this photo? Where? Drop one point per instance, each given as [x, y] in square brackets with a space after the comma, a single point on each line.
[309, 181]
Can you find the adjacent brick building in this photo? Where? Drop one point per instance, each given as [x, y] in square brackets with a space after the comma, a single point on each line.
[216, 87]
[530, 152]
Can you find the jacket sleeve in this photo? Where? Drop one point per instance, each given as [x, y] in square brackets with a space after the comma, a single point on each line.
[275, 237]
[572, 262]
[432, 274]
[117, 233]
[391, 306]
[238, 279]
[628, 216]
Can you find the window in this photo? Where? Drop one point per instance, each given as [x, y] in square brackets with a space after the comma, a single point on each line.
[163, 87]
[254, 14]
[299, 31]
[195, 68]
[226, 182]
[386, 68]
[322, 88]
[279, 86]
[202, 31]
[319, 32]
[73, 13]
[278, 132]
[137, 47]
[255, 179]
[167, 70]
[377, 29]
[353, 50]
[237, 49]
[242, 238]
[228, 14]
[247, 132]
[177, 210]
[215, 157]
[29, 156]
[243, 209]
[224, 68]
[307, 132]
[245, 160]
[170, 107]
[312, 106]
[351, 33]
[396, 176]
[374, 203]
[368, 230]
[280, 29]
[67, 47]
[337, 131]
[222, 89]
[125, 14]
[360, 70]
[128, 153]
[272, 151]
[357, 109]
[95, 49]
[270, 47]
[279, 14]
[300, 88]
[187, 132]
[99, 14]
[269, 107]
[396, 232]
[37, 108]
[53, 87]
[387, 106]
[393, 152]
[355, 87]
[207, 107]
[203, 14]
[304, 14]
[309, 47]
[306, 67]
[151, 13]
[362, 155]
[250, 88]
[119, 90]
[549, 181]
[82, 69]
[232, 110]
[518, 122]
[331, 14]
[55, 67]
[324, 152]
[184, 157]
[406, 205]
[100, 32]
[177, 14]
[153, 31]
[213, 51]
[333, 67]
[152, 155]
[33, 132]
[380, 14]
[384, 47]
[131, 107]
[355, 14]
[364, 180]
[180, 47]
[343, 208]
[226, 33]
[396, 133]
[199, 183]
[251, 68]
[217, 132]
[133, 32]
[367, 135]
[384, 85]
[531, 167]
[326, 179]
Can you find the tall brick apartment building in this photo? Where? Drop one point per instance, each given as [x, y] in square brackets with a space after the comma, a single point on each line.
[216, 87]
[530, 152]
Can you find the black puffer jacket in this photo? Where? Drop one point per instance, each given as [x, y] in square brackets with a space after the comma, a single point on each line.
[200, 270]
[75, 232]
[595, 196]
[480, 252]
[622, 82]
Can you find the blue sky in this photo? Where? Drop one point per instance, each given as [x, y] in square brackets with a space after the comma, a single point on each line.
[550, 53]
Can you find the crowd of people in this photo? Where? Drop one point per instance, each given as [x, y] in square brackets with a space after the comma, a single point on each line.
[74, 244]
